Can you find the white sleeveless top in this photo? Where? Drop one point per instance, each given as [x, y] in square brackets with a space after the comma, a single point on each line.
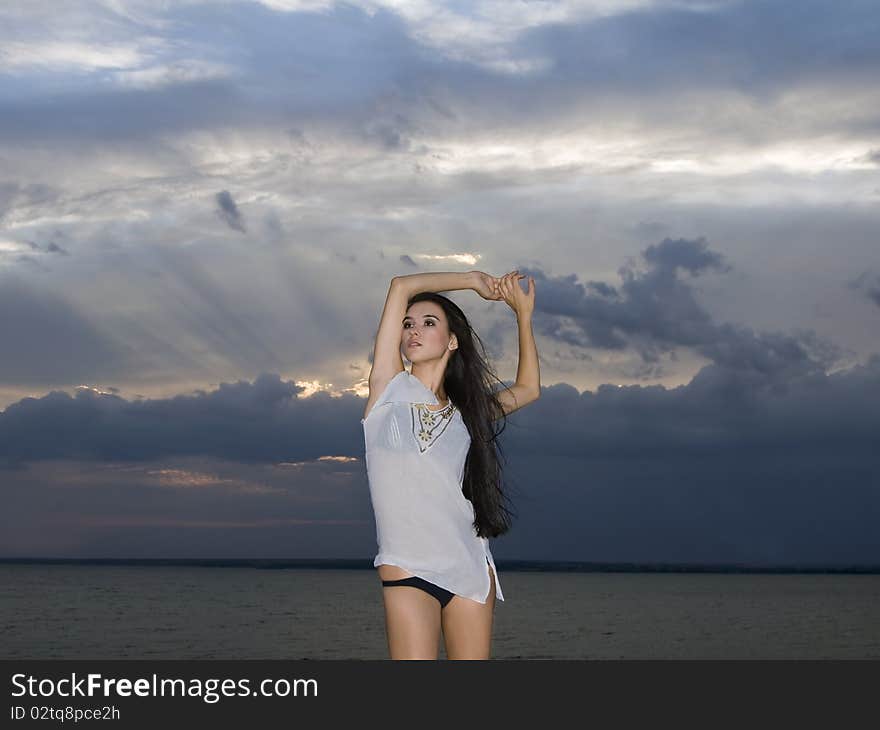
[415, 467]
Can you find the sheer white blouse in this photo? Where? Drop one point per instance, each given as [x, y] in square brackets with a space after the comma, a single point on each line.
[415, 465]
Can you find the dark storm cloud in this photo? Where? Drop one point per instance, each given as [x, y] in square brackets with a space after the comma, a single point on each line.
[655, 310]
[731, 467]
[259, 421]
[721, 408]
[228, 211]
[691, 256]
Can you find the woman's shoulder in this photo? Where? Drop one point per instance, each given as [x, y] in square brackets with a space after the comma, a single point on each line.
[404, 387]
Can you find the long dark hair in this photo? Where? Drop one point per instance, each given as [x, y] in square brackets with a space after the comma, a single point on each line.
[468, 383]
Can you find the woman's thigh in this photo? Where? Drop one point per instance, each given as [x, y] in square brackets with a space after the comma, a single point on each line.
[467, 625]
[412, 622]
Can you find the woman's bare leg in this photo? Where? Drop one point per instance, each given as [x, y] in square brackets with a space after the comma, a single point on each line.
[467, 625]
[412, 618]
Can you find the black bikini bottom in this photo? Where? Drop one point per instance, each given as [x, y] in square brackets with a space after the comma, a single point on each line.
[441, 594]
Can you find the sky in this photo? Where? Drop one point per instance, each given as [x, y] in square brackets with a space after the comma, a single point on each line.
[202, 204]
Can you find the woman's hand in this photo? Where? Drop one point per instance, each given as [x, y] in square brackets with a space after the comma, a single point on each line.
[523, 303]
[487, 286]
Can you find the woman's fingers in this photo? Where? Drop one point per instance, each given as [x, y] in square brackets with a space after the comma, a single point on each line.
[505, 285]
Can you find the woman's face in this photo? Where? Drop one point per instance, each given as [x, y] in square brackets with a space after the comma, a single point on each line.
[425, 333]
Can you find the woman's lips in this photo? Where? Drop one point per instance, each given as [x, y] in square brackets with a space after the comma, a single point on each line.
[414, 344]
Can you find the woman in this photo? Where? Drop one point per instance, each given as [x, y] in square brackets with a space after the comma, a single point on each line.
[432, 461]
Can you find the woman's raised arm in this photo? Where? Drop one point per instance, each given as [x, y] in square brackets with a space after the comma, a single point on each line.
[437, 281]
[486, 285]
[527, 387]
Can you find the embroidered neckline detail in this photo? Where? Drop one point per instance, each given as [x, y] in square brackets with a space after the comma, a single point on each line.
[428, 425]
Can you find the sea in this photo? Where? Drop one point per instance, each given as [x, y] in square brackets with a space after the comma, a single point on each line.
[333, 610]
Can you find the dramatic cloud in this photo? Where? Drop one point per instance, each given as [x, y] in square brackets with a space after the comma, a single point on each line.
[731, 467]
